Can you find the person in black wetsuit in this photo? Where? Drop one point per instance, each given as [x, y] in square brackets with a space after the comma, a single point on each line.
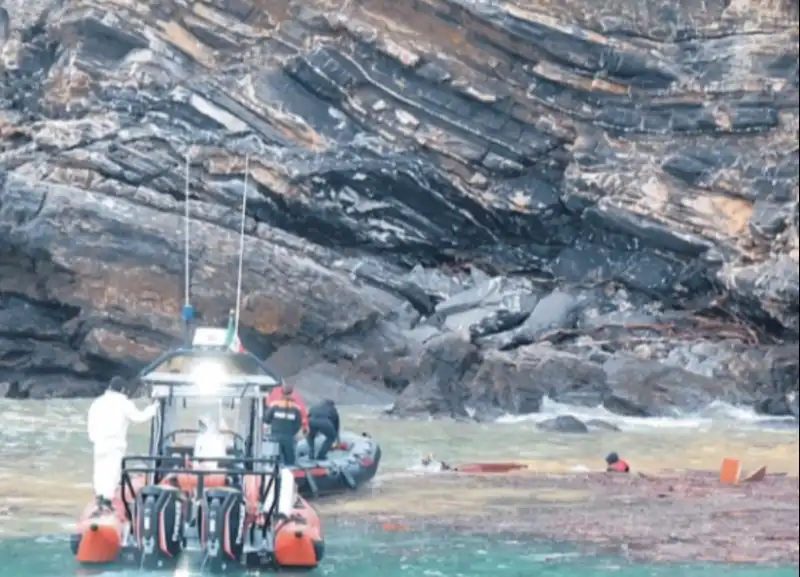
[323, 419]
[285, 420]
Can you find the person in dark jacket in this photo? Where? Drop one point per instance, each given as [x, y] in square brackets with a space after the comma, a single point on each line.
[285, 419]
[323, 419]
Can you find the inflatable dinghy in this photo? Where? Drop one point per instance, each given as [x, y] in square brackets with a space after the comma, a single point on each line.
[344, 469]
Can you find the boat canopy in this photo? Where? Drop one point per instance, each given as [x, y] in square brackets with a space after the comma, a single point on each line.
[209, 368]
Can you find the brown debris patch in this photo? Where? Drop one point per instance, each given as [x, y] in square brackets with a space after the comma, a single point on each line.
[698, 519]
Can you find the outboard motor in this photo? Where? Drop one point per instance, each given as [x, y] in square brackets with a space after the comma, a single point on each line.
[222, 532]
[159, 524]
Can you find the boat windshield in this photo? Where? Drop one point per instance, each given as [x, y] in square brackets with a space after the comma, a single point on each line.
[185, 418]
[226, 387]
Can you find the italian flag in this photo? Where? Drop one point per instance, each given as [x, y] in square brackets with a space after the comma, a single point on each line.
[232, 342]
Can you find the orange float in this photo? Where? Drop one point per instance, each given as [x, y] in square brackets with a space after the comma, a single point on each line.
[489, 467]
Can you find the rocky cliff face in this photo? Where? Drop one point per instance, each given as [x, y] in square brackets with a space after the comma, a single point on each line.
[476, 203]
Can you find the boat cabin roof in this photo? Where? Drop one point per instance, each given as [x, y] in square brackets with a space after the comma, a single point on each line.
[208, 369]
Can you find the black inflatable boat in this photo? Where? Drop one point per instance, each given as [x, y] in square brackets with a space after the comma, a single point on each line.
[343, 470]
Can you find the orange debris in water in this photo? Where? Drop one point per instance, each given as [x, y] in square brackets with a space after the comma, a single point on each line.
[489, 467]
[394, 527]
[730, 471]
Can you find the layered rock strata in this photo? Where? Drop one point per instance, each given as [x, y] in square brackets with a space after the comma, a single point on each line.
[478, 204]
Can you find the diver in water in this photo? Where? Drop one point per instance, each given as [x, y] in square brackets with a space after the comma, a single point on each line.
[616, 465]
[432, 464]
[285, 419]
[107, 424]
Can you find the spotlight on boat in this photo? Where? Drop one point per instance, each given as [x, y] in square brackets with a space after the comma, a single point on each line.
[209, 376]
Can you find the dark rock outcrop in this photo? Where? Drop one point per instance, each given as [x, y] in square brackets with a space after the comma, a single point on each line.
[600, 425]
[475, 204]
[642, 388]
[435, 378]
[563, 424]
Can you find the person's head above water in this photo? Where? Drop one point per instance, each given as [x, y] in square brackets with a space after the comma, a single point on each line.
[117, 384]
[287, 388]
[612, 458]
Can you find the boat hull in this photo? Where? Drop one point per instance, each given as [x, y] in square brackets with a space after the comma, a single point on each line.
[99, 539]
[342, 472]
[109, 538]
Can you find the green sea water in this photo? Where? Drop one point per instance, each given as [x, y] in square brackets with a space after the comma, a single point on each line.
[44, 474]
[359, 552]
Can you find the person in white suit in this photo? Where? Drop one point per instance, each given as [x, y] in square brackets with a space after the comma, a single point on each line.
[107, 424]
[210, 443]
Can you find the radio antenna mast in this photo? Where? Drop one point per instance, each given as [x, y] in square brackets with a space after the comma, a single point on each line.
[188, 310]
[241, 248]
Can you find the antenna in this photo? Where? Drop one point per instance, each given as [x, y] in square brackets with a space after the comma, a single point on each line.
[241, 248]
[186, 219]
[188, 310]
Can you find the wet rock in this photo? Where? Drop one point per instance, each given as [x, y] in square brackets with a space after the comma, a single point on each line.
[399, 191]
[776, 406]
[464, 321]
[291, 359]
[517, 381]
[435, 379]
[599, 425]
[769, 219]
[491, 306]
[422, 334]
[327, 381]
[484, 293]
[497, 321]
[563, 424]
[558, 310]
[436, 283]
[5, 28]
[769, 374]
[770, 289]
[644, 388]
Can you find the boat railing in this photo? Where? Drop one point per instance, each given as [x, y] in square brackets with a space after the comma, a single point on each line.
[176, 467]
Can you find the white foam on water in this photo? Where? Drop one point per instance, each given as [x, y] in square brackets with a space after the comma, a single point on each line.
[551, 557]
[716, 412]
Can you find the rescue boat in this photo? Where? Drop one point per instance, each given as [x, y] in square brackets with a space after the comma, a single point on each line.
[241, 510]
[347, 467]
[237, 511]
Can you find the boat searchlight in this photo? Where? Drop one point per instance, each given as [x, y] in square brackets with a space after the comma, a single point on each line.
[209, 376]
